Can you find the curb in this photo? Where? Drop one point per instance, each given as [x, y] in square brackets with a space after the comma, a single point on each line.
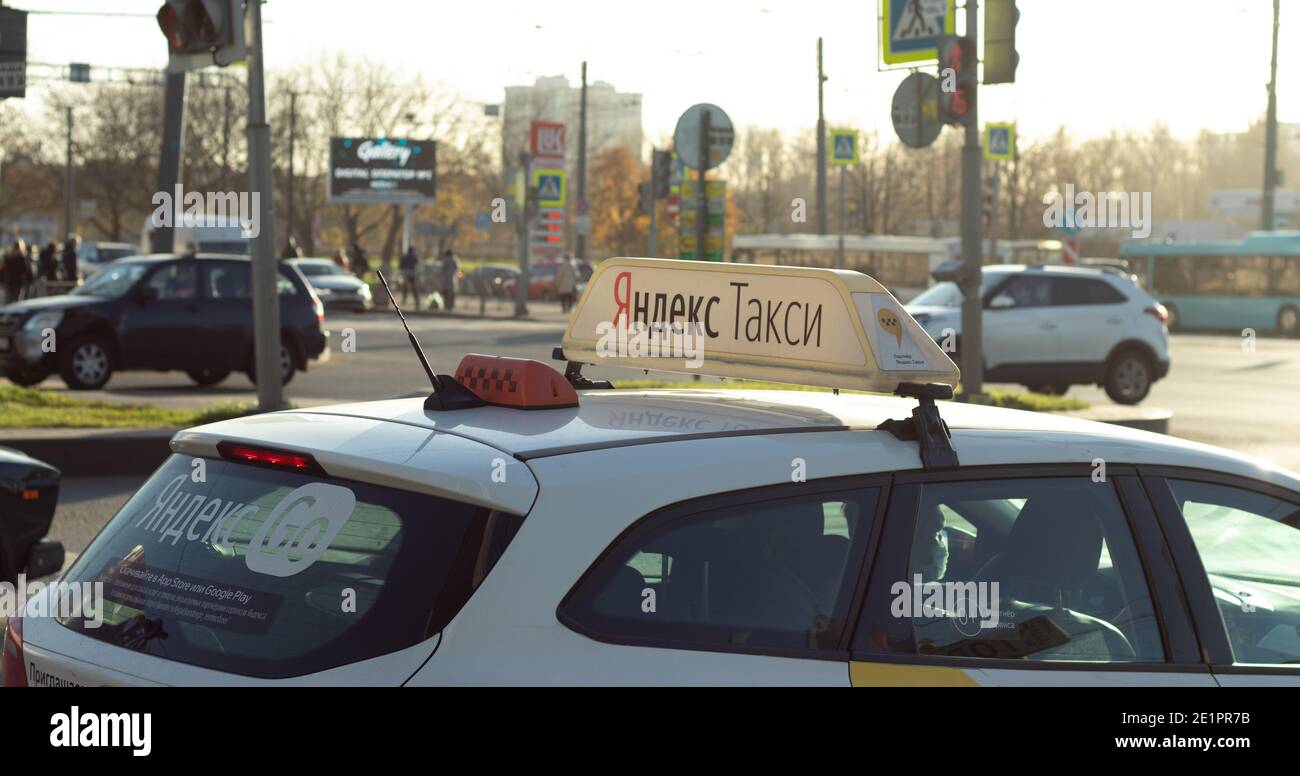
[78, 452]
[1142, 418]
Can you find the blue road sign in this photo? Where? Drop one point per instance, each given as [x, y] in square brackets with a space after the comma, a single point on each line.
[910, 29]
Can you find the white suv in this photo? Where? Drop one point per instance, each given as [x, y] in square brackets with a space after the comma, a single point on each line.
[1050, 327]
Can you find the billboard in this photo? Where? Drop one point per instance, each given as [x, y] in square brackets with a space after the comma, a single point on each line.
[13, 53]
[382, 170]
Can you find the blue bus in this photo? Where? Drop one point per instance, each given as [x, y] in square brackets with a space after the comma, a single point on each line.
[1225, 286]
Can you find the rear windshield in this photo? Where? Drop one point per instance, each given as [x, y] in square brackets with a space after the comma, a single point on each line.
[271, 573]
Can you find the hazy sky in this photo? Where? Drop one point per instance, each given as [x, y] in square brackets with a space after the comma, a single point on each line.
[1088, 64]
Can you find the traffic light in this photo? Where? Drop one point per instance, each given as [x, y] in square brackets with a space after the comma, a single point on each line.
[1000, 57]
[986, 214]
[643, 200]
[201, 33]
[663, 173]
[958, 81]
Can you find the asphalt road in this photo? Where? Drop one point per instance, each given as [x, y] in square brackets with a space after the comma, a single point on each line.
[1219, 392]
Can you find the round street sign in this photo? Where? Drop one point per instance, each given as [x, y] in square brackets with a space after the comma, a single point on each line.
[915, 110]
[686, 138]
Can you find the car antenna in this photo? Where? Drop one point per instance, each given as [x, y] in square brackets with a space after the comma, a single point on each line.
[448, 393]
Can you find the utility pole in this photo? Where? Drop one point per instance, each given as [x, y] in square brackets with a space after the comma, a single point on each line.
[839, 254]
[521, 285]
[972, 333]
[702, 206]
[266, 303]
[582, 165]
[225, 138]
[293, 120]
[170, 158]
[821, 144]
[1270, 134]
[654, 204]
[69, 182]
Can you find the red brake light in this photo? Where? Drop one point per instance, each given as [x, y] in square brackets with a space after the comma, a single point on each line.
[1159, 312]
[515, 382]
[11, 661]
[278, 459]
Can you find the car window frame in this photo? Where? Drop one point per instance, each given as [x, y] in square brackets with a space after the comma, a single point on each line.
[893, 548]
[1060, 282]
[855, 568]
[1001, 286]
[163, 266]
[1210, 628]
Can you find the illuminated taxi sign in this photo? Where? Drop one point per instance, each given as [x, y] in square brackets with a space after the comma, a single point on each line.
[800, 325]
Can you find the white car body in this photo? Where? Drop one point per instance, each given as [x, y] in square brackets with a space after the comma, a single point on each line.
[582, 476]
[1053, 344]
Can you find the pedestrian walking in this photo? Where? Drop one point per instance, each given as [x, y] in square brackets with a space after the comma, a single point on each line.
[566, 282]
[70, 258]
[360, 261]
[410, 264]
[47, 267]
[291, 249]
[450, 269]
[14, 270]
[341, 259]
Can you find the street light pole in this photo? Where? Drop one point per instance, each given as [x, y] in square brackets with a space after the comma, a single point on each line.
[69, 181]
[821, 144]
[266, 303]
[972, 335]
[1270, 134]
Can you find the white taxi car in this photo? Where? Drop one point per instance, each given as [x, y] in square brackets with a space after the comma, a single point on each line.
[526, 527]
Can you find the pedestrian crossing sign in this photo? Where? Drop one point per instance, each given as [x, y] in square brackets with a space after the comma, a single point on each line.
[844, 147]
[550, 188]
[999, 141]
[910, 29]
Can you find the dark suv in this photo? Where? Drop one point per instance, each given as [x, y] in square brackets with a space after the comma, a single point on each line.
[161, 312]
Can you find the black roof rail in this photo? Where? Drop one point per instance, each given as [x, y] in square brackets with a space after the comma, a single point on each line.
[573, 373]
[925, 426]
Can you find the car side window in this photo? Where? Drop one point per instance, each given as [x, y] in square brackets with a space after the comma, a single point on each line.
[177, 281]
[1084, 291]
[227, 280]
[1041, 569]
[1249, 544]
[232, 280]
[1028, 291]
[774, 574]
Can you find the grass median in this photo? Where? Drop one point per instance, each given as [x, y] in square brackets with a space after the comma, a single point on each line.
[34, 408]
[1015, 400]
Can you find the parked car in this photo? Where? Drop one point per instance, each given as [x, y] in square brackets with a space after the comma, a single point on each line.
[29, 491]
[489, 280]
[1050, 327]
[92, 256]
[541, 280]
[335, 286]
[161, 312]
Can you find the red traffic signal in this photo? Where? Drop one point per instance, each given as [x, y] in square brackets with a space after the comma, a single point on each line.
[958, 80]
[195, 26]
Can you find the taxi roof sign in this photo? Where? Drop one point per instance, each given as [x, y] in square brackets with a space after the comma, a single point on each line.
[800, 325]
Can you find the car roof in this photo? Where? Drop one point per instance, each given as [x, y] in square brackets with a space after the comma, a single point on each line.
[611, 419]
[1056, 269]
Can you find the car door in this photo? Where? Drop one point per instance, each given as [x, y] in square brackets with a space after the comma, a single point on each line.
[1091, 317]
[163, 319]
[1236, 542]
[751, 587]
[228, 313]
[1019, 327]
[1023, 575]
